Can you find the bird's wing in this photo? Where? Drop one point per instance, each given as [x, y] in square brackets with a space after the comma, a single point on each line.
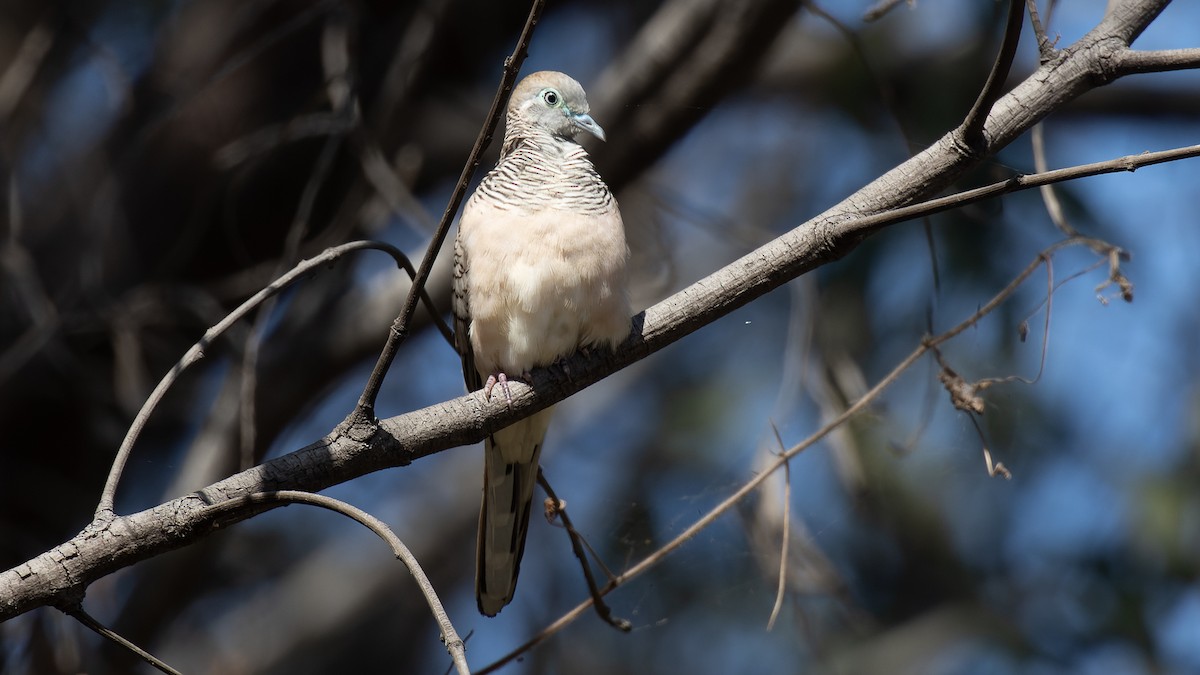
[461, 307]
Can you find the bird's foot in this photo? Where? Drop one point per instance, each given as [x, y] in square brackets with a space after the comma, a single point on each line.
[502, 380]
[492, 381]
[561, 364]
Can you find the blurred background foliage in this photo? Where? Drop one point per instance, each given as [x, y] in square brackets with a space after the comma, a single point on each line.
[161, 161]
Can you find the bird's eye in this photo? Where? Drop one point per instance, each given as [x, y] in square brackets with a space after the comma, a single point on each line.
[551, 97]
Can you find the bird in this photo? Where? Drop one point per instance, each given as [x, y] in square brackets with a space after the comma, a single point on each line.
[539, 273]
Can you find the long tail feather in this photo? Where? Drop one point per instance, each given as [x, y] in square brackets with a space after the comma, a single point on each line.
[510, 473]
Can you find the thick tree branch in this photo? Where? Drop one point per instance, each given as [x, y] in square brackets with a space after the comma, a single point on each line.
[61, 575]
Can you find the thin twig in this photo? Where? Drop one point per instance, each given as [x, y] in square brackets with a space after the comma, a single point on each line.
[994, 468]
[783, 546]
[454, 644]
[1045, 44]
[877, 10]
[560, 511]
[1023, 327]
[972, 127]
[77, 612]
[964, 395]
[1021, 182]
[1037, 140]
[104, 510]
[399, 330]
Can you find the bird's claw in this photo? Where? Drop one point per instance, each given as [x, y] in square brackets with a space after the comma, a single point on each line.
[492, 381]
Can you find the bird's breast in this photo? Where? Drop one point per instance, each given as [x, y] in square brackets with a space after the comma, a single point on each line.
[542, 283]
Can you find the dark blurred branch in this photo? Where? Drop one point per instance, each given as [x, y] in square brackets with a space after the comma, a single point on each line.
[684, 61]
[339, 88]
[972, 127]
[17, 77]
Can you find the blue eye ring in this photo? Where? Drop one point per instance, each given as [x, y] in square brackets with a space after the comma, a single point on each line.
[552, 98]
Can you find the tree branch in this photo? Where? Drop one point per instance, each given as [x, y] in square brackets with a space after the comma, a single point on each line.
[1132, 61]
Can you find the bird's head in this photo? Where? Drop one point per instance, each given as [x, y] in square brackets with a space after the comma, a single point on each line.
[553, 101]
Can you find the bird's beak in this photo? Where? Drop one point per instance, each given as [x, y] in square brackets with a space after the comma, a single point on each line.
[589, 125]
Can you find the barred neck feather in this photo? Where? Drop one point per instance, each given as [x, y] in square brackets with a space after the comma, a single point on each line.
[540, 170]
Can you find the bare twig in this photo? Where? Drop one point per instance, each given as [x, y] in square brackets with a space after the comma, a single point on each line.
[1037, 141]
[964, 395]
[994, 468]
[399, 330]
[787, 527]
[454, 644]
[1023, 182]
[1045, 44]
[882, 7]
[77, 612]
[559, 510]
[972, 126]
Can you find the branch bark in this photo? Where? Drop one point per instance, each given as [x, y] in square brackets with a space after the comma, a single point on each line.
[60, 576]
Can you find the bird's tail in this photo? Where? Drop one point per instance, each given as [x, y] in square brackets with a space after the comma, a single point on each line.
[510, 472]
